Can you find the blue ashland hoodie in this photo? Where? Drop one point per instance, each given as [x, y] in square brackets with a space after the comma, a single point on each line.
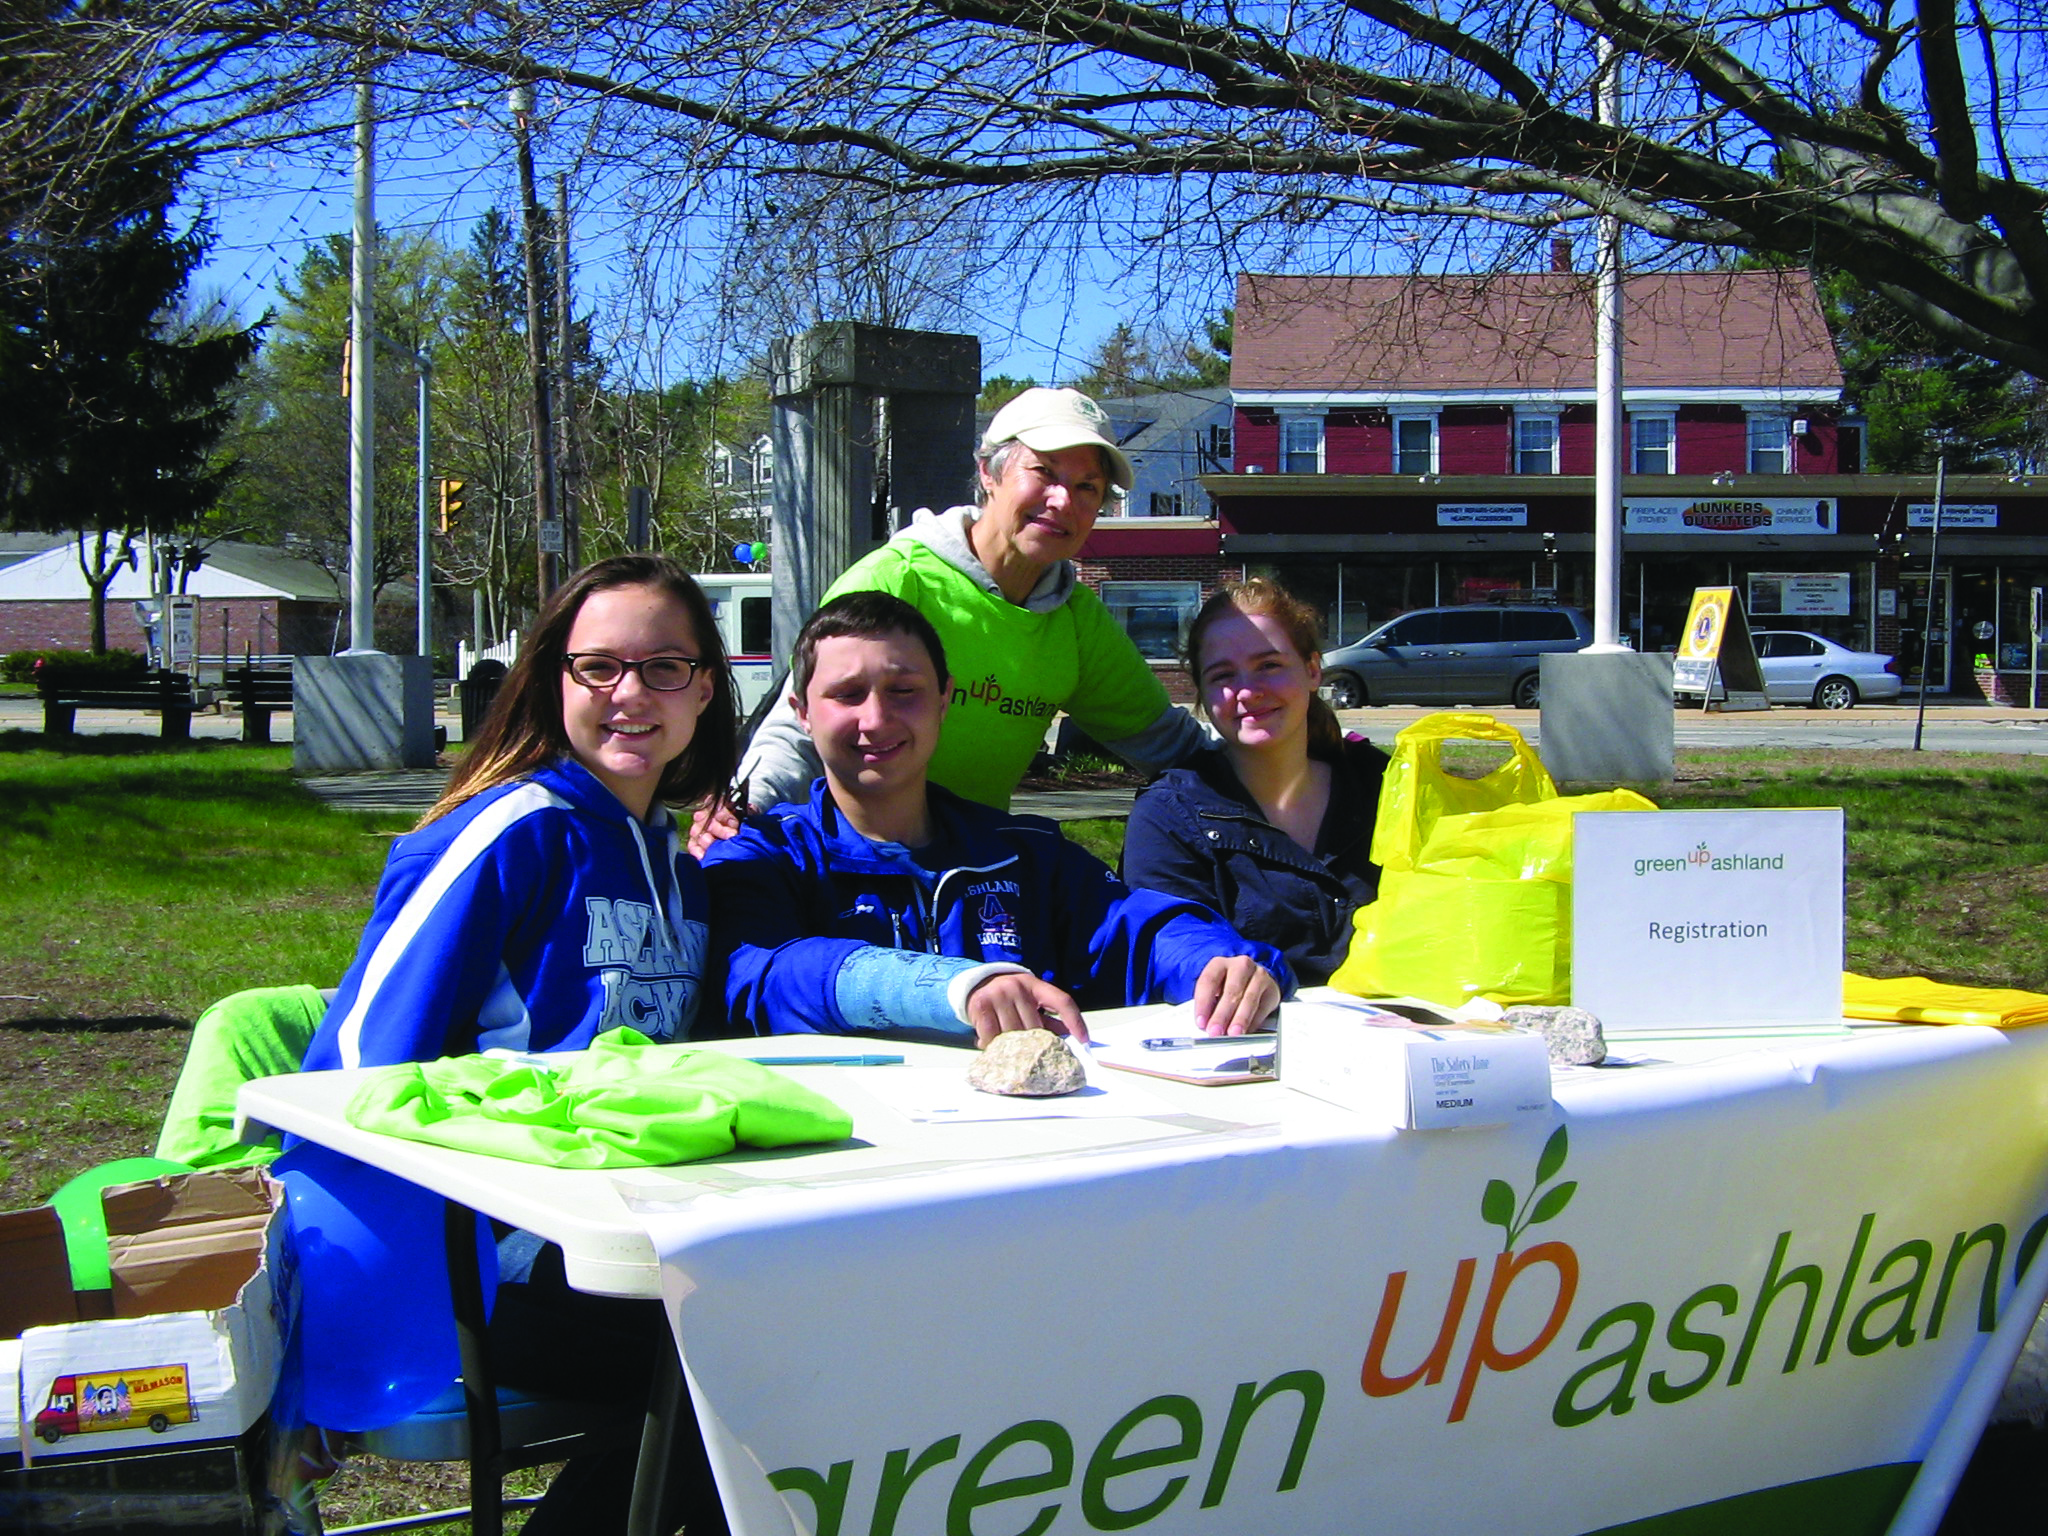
[534, 917]
[823, 931]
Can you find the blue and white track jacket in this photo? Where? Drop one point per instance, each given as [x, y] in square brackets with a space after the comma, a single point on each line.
[822, 931]
[534, 917]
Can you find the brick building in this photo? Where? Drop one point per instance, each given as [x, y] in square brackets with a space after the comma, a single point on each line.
[1402, 442]
[250, 599]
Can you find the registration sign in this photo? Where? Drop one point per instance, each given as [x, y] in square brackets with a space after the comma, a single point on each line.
[1708, 919]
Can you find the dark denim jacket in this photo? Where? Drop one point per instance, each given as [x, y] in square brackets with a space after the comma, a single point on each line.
[1198, 833]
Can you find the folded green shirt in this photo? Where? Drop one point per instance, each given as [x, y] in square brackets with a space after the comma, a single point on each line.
[625, 1102]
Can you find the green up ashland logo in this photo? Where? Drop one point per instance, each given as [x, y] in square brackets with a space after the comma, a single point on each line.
[1500, 1208]
[1866, 1306]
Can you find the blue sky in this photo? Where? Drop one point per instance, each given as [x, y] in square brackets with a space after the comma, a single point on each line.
[268, 206]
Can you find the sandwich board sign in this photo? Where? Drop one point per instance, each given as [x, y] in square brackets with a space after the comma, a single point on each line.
[1708, 920]
[1716, 658]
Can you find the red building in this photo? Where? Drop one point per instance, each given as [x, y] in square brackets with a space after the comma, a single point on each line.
[1402, 442]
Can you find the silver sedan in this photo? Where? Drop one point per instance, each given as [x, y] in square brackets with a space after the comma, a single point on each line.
[1800, 668]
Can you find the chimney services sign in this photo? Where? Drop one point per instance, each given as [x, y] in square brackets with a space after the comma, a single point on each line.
[1731, 514]
[1708, 919]
[1482, 514]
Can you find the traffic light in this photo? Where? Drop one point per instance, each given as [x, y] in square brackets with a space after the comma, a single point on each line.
[451, 503]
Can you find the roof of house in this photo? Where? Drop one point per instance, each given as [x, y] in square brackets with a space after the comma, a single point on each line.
[16, 546]
[1159, 420]
[231, 570]
[1528, 331]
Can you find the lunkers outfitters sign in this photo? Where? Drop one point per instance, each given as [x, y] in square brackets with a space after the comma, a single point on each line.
[1754, 1288]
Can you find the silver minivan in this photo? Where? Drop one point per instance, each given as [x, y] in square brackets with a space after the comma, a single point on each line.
[1480, 653]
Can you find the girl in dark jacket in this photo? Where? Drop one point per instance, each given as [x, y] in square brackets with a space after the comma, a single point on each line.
[1272, 828]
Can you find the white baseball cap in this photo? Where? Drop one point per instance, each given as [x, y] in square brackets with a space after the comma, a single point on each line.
[1051, 419]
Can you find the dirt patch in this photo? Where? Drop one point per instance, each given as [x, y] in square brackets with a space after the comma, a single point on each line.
[81, 1092]
[1085, 778]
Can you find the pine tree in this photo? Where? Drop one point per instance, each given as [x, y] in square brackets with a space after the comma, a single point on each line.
[108, 414]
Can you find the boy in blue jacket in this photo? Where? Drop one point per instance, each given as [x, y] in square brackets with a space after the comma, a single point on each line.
[885, 905]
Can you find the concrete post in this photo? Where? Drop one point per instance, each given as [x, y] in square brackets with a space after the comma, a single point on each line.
[825, 385]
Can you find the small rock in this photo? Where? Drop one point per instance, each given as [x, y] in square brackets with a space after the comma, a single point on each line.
[1573, 1035]
[1026, 1064]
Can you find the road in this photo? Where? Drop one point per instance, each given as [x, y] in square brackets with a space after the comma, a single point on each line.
[1961, 727]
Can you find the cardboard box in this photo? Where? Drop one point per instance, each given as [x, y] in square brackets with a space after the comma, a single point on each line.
[1411, 1065]
[201, 1490]
[187, 1345]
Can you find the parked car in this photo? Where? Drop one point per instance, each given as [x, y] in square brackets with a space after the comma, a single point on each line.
[1480, 653]
[1800, 668]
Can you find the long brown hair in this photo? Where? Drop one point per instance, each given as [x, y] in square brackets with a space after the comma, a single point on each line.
[524, 729]
[1303, 627]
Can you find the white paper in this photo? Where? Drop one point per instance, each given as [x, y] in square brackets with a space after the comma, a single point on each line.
[1708, 919]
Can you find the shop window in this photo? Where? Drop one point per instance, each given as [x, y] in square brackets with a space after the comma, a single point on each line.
[1301, 445]
[1651, 439]
[1155, 614]
[1770, 445]
[1535, 445]
[1414, 445]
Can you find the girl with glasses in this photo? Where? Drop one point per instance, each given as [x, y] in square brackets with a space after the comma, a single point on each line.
[545, 899]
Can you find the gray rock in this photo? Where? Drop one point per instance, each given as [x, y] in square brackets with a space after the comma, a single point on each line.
[1574, 1035]
[1027, 1064]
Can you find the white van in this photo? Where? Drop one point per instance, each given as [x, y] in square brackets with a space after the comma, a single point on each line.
[741, 602]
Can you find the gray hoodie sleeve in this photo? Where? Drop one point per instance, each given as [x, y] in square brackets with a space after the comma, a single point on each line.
[1167, 742]
[780, 762]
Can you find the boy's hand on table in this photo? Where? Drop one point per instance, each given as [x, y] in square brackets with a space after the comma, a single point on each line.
[1018, 1001]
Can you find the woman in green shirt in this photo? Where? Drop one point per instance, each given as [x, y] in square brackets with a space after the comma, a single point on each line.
[1025, 638]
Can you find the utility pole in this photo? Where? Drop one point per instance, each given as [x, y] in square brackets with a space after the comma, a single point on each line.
[1934, 603]
[566, 469]
[424, 636]
[1609, 436]
[547, 522]
[362, 419]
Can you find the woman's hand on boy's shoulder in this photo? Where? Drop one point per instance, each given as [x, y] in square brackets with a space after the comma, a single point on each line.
[711, 824]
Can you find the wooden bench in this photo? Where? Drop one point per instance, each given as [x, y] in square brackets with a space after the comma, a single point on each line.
[167, 694]
[258, 692]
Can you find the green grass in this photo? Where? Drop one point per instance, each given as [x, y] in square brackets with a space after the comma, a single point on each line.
[1947, 871]
[142, 882]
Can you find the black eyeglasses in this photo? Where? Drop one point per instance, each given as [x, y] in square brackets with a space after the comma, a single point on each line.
[664, 674]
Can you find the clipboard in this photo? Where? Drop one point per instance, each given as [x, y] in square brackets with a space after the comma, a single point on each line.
[1184, 1065]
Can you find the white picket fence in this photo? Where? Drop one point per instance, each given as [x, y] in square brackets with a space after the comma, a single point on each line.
[506, 651]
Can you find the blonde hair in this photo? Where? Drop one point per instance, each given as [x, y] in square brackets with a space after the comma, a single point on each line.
[1303, 627]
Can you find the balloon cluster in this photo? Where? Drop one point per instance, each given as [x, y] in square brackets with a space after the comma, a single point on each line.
[747, 554]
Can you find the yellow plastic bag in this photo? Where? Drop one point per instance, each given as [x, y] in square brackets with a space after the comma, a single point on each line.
[1416, 792]
[1921, 1000]
[1475, 883]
